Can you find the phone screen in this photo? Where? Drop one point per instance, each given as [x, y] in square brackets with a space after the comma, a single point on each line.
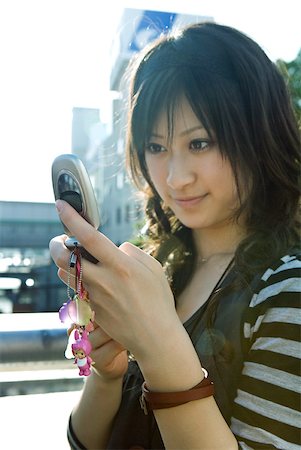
[70, 192]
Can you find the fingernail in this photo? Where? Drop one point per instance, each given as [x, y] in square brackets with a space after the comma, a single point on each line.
[59, 206]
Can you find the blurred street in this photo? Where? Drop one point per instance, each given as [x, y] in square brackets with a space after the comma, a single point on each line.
[37, 421]
[38, 386]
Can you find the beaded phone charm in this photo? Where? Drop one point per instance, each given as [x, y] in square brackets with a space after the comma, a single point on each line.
[78, 314]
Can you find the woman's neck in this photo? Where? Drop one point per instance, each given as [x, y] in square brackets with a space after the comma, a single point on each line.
[223, 240]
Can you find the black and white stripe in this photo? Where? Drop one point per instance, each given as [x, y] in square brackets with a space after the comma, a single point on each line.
[267, 406]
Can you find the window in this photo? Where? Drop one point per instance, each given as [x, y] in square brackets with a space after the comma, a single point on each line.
[118, 215]
[120, 180]
[127, 213]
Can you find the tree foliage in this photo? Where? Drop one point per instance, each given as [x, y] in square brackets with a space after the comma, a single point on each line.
[292, 73]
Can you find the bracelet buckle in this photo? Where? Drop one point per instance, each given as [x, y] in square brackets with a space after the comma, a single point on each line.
[143, 404]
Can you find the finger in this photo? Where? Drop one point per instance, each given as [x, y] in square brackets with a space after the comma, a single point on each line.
[140, 255]
[92, 240]
[107, 353]
[59, 252]
[98, 337]
[67, 278]
[95, 324]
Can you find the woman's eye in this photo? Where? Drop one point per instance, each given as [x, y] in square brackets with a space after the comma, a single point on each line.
[154, 148]
[199, 144]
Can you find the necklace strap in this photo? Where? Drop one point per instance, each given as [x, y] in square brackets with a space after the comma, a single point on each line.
[202, 260]
[221, 279]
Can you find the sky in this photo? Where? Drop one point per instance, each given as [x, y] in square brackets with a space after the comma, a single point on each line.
[55, 55]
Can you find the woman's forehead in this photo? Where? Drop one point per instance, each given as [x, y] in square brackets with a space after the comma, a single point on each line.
[178, 119]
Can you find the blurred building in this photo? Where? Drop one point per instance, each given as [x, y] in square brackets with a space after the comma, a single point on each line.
[28, 277]
[103, 149]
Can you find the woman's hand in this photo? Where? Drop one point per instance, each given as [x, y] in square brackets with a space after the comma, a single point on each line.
[109, 357]
[128, 289]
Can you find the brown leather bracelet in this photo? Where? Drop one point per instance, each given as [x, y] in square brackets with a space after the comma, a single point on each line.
[160, 400]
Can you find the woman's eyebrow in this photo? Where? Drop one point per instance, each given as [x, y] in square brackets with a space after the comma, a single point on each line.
[191, 130]
[183, 133]
[156, 135]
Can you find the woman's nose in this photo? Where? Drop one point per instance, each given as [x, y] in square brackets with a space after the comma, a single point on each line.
[180, 172]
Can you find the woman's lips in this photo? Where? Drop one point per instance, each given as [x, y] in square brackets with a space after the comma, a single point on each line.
[188, 202]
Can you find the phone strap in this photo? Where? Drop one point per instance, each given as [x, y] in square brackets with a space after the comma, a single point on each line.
[78, 315]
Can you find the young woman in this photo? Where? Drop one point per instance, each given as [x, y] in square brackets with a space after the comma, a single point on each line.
[214, 145]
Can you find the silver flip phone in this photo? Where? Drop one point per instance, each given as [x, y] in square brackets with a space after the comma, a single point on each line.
[71, 183]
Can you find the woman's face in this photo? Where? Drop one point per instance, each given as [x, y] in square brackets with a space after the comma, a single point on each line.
[189, 173]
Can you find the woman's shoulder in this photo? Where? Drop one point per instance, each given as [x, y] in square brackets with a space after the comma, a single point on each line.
[282, 276]
[266, 408]
[283, 266]
[276, 300]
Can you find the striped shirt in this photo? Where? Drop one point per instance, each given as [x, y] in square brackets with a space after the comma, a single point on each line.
[267, 405]
[266, 413]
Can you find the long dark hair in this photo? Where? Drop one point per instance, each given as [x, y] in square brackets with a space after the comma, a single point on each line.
[241, 99]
